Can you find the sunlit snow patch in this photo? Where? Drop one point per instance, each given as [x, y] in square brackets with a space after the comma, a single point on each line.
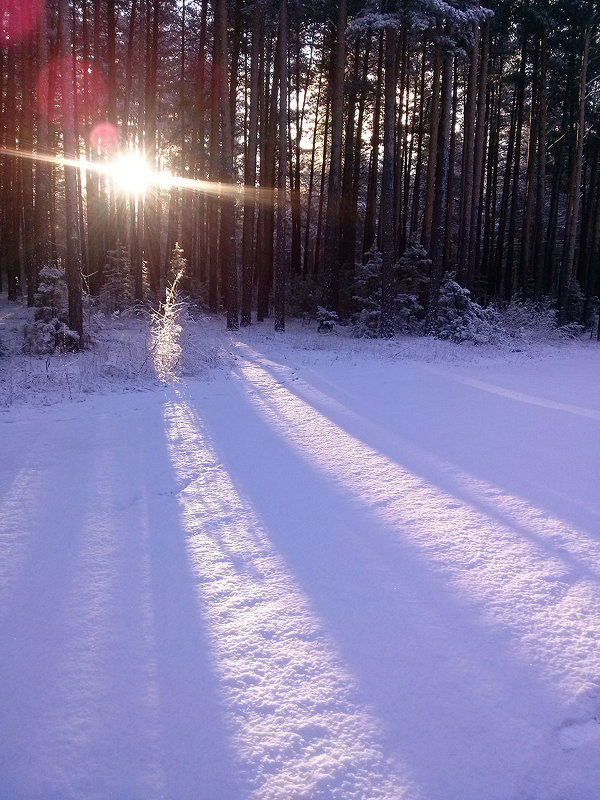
[530, 573]
[299, 726]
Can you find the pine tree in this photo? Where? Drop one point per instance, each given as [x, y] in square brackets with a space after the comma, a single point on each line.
[118, 290]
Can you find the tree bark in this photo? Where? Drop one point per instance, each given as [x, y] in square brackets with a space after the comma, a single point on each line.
[386, 324]
[280, 251]
[258, 33]
[566, 274]
[441, 182]
[331, 265]
[72, 256]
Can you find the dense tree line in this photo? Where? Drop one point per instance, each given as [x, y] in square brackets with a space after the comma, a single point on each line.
[421, 137]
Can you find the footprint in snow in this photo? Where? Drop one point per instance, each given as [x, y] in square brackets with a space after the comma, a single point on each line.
[573, 735]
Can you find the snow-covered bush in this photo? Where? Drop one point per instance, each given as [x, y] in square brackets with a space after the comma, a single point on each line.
[326, 319]
[117, 293]
[412, 272]
[50, 330]
[461, 319]
[575, 303]
[166, 323]
[589, 316]
[535, 320]
[410, 277]
[366, 296]
[529, 319]
[302, 294]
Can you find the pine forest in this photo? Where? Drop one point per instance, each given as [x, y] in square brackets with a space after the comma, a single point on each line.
[357, 159]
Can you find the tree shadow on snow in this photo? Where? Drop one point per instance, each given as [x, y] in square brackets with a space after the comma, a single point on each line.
[108, 683]
[455, 697]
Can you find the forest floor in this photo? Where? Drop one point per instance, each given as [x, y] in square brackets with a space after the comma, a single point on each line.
[319, 568]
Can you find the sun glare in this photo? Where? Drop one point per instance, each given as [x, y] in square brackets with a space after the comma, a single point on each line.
[133, 175]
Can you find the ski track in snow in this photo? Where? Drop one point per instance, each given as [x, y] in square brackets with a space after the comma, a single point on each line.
[260, 589]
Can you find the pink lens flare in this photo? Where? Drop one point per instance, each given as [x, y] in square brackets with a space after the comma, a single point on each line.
[89, 88]
[19, 19]
[105, 138]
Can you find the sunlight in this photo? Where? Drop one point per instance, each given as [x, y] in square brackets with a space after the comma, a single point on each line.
[133, 174]
[526, 570]
[284, 683]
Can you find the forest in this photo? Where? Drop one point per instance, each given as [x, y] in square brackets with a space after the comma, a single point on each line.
[361, 162]
[299, 399]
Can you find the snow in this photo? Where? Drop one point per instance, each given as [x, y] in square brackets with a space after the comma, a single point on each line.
[328, 569]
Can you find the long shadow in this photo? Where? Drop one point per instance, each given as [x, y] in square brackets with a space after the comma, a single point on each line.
[455, 702]
[42, 544]
[194, 747]
[550, 429]
[119, 699]
[441, 474]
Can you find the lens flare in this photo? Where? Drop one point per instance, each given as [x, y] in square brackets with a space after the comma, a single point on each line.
[90, 88]
[133, 175]
[19, 19]
[105, 138]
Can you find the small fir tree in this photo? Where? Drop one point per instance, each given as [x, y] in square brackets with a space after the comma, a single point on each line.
[411, 281]
[50, 331]
[461, 319]
[367, 295]
[118, 292]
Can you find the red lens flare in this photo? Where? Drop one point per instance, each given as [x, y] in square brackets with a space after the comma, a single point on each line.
[105, 138]
[19, 19]
[90, 89]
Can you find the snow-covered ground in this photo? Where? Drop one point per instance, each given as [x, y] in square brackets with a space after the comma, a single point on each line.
[329, 569]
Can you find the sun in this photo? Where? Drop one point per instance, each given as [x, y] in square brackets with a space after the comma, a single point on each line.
[133, 175]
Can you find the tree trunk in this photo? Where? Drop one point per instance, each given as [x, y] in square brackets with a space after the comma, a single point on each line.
[566, 274]
[72, 256]
[311, 176]
[280, 253]
[331, 265]
[386, 324]
[42, 169]
[466, 185]
[447, 257]
[509, 277]
[433, 134]
[540, 205]
[371, 201]
[258, 34]
[441, 182]
[478, 157]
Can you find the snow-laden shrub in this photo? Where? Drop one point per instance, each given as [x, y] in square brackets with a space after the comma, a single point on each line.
[167, 323]
[589, 317]
[366, 296]
[529, 319]
[302, 297]
[50, 330]
[118, 293]
[575, 303]
[460, 319]
[411, 277]
[536, 321]
[326, 319]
